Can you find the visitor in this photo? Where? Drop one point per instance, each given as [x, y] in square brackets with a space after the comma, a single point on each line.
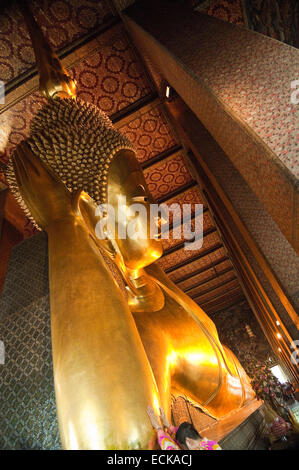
[184, 437]
[288, 391]
[279, 430]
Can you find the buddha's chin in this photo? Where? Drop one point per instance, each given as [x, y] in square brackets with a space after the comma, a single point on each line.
[143, 263]
[137, 256]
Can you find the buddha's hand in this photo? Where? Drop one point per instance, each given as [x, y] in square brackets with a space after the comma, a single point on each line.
[45, 195]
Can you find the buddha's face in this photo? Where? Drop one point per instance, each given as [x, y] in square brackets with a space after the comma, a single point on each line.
[126, 180]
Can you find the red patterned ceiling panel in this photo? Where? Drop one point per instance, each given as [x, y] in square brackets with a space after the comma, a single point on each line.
[226, 10]
[101, 68]
[202, 277]
[201, 263]
[214, 257]
[15, 123]
[234, 284]
[112, 77]
[62, 22]
[196, 224]
[150, 133]
[227, 298]
[212, 284]
[222, 266]
[167, 176]
[190, 196]
[183, 255]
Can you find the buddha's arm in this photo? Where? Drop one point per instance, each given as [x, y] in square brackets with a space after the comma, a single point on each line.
[233, 388]
[102, 378]
[157, 273]
[195, 311]
[103, 381]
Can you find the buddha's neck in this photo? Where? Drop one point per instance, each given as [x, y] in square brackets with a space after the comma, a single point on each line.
[145, 294]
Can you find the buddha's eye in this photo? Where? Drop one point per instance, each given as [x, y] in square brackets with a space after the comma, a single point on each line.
[139, 199]
[140, 194]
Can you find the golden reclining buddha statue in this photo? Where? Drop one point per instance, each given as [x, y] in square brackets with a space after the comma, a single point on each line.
[112, 355]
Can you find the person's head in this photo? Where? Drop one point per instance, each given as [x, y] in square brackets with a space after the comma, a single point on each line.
[187, 436]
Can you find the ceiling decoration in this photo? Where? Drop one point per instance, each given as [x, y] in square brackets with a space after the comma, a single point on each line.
[173, 258]
[212, 284]
[232, 10]
[150, 133]
[205, 276]
[167, 176]
[197, 223]
[189, 196]
[15, 123]
[111, 75]
[63, 22]
[200, 263]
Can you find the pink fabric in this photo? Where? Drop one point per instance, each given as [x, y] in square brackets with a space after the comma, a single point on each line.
[167, 441]
[280, 427]
[206, 444]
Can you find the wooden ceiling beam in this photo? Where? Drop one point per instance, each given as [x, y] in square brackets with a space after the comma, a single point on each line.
[135, 110]
[205, 281]
[220, 296]
[181, 245]
[224, 305]
[208, 251]
[177, 192]
[161, 156]
[178, 224]
[202, 270]
[207, 291]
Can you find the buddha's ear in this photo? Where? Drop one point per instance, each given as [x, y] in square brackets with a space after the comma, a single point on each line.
[86, 208]
[75, 201]
[81, 201]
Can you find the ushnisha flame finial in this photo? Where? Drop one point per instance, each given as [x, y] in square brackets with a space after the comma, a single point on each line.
[54, 80]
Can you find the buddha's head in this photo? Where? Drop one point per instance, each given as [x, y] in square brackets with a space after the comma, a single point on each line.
[80, 144]
[126, 185]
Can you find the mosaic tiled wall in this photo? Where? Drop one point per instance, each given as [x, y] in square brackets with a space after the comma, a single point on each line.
[231, 326]
[27, 405]
[279, 253]
[9, 238]
[27, 400]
